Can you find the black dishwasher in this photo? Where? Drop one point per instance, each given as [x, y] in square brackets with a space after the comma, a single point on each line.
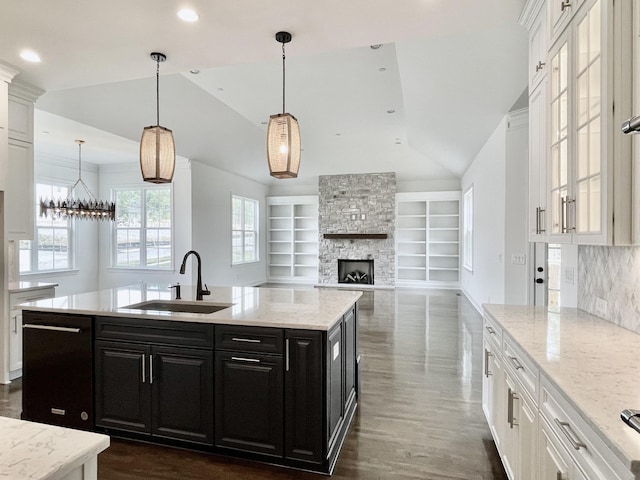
[57, 370]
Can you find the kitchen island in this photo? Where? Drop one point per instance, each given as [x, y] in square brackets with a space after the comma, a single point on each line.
[271, 375]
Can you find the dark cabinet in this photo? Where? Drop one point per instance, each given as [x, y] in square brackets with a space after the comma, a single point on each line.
[182, 394]
[123, 390]
[154, 389]
[350, 361]
[303, 397]
[249, 402]
[335, 383]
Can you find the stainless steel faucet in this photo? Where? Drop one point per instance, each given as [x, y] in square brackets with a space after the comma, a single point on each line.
[199, 291]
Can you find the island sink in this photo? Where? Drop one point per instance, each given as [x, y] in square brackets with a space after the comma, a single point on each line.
[169, 306]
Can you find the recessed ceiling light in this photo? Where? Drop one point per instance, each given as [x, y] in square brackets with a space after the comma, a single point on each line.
[382, 69]
[220, 89]
[194, 71]
[188, 15]
[391, 111]
[338, 134]
[30, 56]
[376, 46]
[263, 123]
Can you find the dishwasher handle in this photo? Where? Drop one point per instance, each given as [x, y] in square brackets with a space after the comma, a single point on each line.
[51, 328]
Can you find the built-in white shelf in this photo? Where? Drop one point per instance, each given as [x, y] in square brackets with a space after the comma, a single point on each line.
[428, 239]
[293, 229]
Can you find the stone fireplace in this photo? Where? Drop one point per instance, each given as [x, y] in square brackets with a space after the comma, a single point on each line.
[357, 221]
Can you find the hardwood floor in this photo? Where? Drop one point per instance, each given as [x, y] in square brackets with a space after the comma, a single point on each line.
[419, 413]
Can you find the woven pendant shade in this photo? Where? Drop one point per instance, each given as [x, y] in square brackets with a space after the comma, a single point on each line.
[283, 146]
[157, 154]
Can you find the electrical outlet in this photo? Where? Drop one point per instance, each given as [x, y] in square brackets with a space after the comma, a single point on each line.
[518, 259]
[601, 306]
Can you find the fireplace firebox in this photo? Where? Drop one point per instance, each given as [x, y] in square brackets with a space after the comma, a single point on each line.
[355, 271]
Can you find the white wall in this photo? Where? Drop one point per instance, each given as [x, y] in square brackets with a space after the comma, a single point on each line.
[211, 209]
[516, 206]
[84, 277]
[485, 284]
[124, 175]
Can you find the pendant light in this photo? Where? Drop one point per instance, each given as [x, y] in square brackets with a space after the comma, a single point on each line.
[157, 149]
[283, 133]
[74, 207]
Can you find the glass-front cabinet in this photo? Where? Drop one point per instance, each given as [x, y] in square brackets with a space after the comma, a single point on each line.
[589, 166]
[559, 140]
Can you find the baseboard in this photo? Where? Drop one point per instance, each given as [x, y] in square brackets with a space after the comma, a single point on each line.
[475, 305]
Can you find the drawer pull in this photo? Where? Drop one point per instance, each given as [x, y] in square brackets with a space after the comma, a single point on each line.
[58, 411]
[246, 340]
[242, 359]
[51, 327]
[490, 330]
[487, 354]
[516, 363]
[569, 433]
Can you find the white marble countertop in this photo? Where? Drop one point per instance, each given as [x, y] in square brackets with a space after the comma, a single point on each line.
[311, 308]
[33, 451]
[18, 287]
[594, 362]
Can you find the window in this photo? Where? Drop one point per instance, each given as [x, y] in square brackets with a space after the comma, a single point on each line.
[467, 228]
[142, 232]
[244, 230]
[52, 247]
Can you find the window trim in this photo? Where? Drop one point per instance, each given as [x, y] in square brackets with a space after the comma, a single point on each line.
[467, 229]
[114, 230]
[256, 230]
[71, 234]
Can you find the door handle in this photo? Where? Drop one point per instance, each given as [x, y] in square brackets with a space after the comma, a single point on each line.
[144, 370]
[564, 5]
[487, 354]
[151, 369]
[286, 344]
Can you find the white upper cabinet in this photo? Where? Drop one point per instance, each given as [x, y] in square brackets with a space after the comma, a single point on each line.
[576, 135]
[536, 22]
[559, 14]
[19, 219]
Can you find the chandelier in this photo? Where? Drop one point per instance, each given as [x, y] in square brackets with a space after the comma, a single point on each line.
[73, 207]
[283, 133]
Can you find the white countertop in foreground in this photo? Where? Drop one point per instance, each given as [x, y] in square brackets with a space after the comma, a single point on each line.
[36, 451]
[594, 362]
[311, 308]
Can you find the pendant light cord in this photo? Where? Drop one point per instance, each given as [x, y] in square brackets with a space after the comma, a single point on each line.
[157, 92]
[79, 160]
[283, 78]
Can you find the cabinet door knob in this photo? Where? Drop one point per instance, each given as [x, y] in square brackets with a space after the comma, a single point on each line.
[539, 280]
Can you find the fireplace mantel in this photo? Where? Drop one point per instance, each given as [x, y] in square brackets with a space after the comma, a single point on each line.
[356, 236]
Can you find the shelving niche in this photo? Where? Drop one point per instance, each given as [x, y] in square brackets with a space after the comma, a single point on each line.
[292, 223]
[428, 239]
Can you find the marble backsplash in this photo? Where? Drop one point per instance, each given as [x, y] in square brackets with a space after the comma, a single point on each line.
[612, 274]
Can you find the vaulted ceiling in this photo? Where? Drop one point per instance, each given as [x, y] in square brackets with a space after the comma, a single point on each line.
[422, 105]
